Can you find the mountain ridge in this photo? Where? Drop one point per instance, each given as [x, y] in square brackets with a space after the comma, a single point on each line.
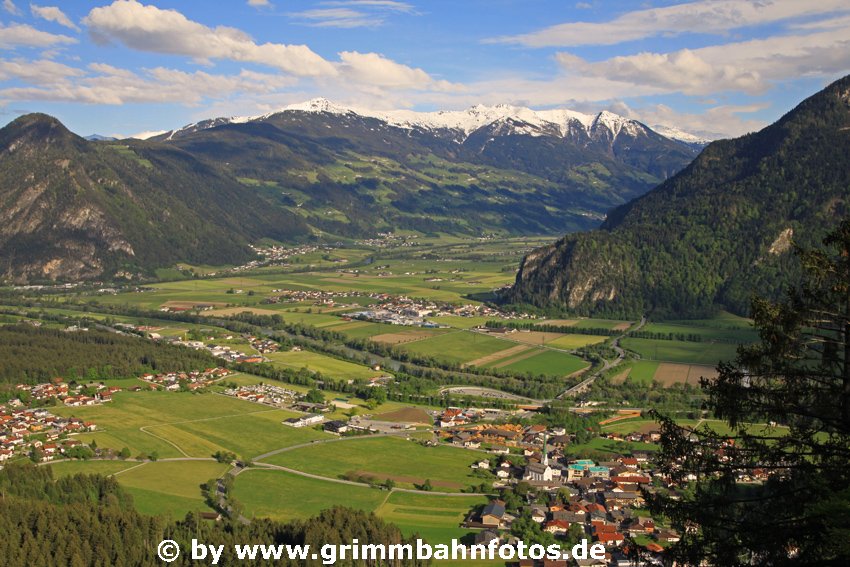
[712, 234]
[464, 122]
[80, 209]
[73, 209]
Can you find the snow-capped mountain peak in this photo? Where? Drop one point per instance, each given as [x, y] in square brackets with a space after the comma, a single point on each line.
[460, 124]
[318, 105]
[680, 135]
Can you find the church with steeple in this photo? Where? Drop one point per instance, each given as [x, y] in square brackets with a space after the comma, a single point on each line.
[539, 472]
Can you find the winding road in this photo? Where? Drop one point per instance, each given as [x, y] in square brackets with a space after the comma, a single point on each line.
[607, 364]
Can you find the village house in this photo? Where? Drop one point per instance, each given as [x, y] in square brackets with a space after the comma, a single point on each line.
[336, 426]
[493, 514]
[304, 421]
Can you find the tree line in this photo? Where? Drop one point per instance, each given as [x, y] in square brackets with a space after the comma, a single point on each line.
[32, 355]
[89, 521]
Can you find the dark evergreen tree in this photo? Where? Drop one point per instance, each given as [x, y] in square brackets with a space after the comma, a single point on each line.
[797, 379]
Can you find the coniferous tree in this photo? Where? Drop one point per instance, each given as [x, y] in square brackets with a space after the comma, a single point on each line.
[795, 503]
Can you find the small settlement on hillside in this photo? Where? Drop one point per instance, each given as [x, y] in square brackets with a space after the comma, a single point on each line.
[24, 429]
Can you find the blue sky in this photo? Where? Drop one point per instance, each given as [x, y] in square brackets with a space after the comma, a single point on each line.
[712, 67]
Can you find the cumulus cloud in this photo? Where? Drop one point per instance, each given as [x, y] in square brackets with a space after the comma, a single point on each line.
[24, 35]
[704, 16]
[104, 84]
[750, 66]
[39, 72]
[148, 28]
[681, 71]
[53, 14]
[377, 70]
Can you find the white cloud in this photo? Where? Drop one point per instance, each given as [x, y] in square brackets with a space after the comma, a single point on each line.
[108, 85]
[375, 70]
[10, 7]
[27, 36]
[346, 14]
[716, 122]
[337, 18]
[390, 5]
[749, 66]
[148, 28]
[259, 3]
[53, 14]
[704, 16]
[681, 71]
[39, 72]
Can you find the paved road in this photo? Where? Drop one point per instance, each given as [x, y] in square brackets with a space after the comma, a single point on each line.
[607, 364]
[351, 482]
[333, 440]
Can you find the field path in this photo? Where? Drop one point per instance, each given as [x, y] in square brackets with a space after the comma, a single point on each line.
[360, 484]
[144, 429]
[318, 441]
[621, 354]
[238, 470]
[129, 469]
[507, 362]
[499, 355]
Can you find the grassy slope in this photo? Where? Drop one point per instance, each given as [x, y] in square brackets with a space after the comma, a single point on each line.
[446, 467]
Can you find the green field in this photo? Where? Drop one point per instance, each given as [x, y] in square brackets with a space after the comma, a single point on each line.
[327, 365]
[459, 346]
[436, 519]
[740, 334]
[681, 351]
[721, 320]
[106, 468]
[461, 322]
[716, 425]
[612, 447]
[170, 488]
[177, 424]
[284, 496]
[246, 435]
[550, 363]
[576, 341]
[642, 372]
[406, 462]
[363, 329]
[598, 323]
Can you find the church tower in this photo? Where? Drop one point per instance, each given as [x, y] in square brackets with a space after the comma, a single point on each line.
[545, 460]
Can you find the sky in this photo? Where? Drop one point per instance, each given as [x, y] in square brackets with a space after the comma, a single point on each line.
[716, 68]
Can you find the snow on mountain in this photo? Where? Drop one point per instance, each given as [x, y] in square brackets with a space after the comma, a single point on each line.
[509, 119]
[317, 105]
[615, 123]
[680, 135]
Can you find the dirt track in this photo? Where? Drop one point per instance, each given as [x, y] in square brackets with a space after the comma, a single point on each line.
[484, 360]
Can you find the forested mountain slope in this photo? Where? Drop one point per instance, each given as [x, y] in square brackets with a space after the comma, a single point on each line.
[716, 232]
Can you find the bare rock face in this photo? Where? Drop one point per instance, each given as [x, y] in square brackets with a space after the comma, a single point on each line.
[716, 233]
[74, 210]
